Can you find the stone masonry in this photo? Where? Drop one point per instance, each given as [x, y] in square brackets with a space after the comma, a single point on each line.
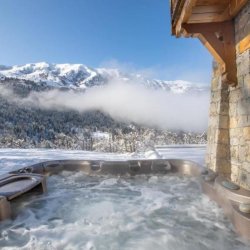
[218, 151]
[229, 126]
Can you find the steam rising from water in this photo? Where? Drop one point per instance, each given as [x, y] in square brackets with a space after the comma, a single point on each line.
[127, 102]
[144, 213]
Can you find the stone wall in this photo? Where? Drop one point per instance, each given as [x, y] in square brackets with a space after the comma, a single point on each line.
[218, 151]
[229, 127]
[239, 107]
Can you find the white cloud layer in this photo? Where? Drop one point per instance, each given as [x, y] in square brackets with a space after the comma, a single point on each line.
[127, 102]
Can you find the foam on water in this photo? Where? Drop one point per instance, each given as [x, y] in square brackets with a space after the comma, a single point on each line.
[83, 212]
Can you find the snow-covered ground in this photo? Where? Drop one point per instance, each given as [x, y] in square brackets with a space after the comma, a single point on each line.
[82, 212]
[186, 152]
[11, 159]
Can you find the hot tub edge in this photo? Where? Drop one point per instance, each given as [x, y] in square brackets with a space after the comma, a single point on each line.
[230, 201]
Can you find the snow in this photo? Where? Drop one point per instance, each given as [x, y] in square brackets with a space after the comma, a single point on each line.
[55, 75]
[81, 76]
[109, 73]
[11, 159]
[100, 135]
[186, 152]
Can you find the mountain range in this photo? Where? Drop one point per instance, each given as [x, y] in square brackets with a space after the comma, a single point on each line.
[26, 126]
[79, 76]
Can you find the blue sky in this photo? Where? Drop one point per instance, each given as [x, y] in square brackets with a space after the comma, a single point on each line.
[131, 34]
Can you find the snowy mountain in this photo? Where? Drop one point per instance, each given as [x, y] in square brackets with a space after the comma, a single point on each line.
[25, 125]
[55, 75]
[80, 76]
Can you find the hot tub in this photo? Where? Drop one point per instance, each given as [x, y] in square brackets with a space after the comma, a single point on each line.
[119, 204]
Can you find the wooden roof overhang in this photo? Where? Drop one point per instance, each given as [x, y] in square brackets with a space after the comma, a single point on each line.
[212, 22]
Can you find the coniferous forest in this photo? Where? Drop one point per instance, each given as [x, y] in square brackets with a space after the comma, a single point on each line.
[29, 127]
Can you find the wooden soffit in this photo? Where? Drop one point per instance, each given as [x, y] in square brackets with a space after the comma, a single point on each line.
[203, 11]
[212, 22]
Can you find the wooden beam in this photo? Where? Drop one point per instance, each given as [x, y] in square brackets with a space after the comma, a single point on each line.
[212, 22]
[176, 9]
[212, 2]
[244, 44]
[235, 6]
[219, 39]
[200, 9]
[206, 18]
[184, 16]
[203, 11]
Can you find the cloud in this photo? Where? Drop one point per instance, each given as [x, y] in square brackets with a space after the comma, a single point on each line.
[166, 72]
[128, 102]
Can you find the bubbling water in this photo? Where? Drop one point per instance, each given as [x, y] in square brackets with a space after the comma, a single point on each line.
[90, 212]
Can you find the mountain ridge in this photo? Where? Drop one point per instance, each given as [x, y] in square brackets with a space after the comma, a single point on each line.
[29, 126]
[80, 76]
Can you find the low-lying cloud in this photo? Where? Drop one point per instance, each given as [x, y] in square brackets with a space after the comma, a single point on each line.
[126, 102]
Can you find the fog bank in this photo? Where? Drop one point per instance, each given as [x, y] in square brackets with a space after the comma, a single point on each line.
[126, 102]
